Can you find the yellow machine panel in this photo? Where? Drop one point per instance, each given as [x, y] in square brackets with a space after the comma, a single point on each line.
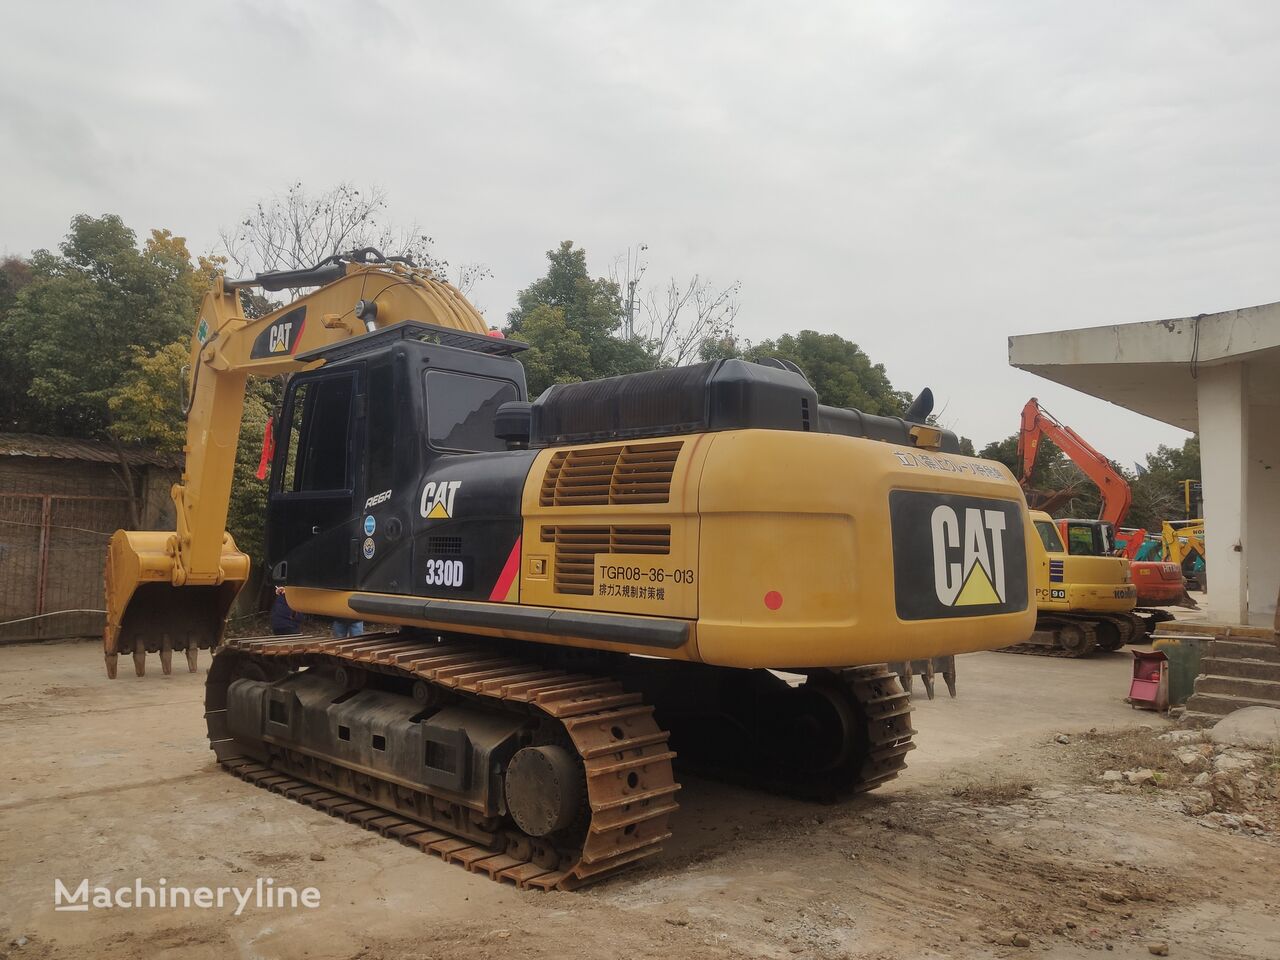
[833, 563]
[676, 529]
[614, 527]
[1078, 583]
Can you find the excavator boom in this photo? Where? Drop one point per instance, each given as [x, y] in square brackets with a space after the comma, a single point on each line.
[171, 590]
[1038, 423]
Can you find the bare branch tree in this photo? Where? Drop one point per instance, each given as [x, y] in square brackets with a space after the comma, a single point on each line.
[685, 315]
[626, 273]
[296, 230]
[469, 274]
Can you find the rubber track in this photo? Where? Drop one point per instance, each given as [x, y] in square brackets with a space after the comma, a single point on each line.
[630, 783]
[1044, 650]
[1131, 628]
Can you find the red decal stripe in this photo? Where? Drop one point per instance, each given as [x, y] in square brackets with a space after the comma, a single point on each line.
[508, 575]
[297, 339]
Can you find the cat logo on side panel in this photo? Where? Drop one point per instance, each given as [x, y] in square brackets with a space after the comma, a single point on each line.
[438, 497]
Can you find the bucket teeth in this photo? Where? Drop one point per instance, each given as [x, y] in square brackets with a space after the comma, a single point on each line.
[111, 665]
[140, 657]
[193, 654]
[928, 670]
[166, 655]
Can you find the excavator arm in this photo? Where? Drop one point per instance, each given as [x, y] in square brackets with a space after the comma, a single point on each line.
[1038, 423]
[168, 590]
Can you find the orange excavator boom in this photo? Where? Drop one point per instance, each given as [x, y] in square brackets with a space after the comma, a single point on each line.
[1038, 423]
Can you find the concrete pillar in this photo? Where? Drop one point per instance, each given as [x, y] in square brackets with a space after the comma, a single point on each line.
[1262, 550]
[1222, 395]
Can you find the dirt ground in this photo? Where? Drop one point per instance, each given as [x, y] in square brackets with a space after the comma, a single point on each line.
[998, 841]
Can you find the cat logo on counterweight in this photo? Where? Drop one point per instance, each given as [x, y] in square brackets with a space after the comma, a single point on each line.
[956, 556]
[968, 556]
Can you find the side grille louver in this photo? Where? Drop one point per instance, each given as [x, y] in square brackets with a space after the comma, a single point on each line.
[576, 549]
[634, 473]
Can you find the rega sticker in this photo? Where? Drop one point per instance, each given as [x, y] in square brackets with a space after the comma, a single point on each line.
[377, 498]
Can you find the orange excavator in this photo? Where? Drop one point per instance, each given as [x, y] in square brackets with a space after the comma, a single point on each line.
[1159, 584]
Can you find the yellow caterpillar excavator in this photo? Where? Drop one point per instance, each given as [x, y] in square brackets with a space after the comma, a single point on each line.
[583, 584]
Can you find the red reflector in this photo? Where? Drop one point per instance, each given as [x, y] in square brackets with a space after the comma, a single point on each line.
[773, 599]
[268, 450]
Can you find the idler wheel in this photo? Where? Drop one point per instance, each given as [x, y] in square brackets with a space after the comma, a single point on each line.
[543, 789]
[1073, 639]
[351, 678]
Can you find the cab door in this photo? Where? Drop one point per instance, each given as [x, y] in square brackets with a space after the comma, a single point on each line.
[311, 513]
[387, 494]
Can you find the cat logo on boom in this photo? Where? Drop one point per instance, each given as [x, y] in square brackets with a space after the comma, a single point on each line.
[279, 337]
[282, 336]
[437, 499]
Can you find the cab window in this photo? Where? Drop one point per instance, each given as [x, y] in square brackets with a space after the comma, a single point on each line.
[461, 410]
[1049, 536]
[1080, 541]
[316, 455]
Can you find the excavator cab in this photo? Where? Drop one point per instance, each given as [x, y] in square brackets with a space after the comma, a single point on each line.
[1088, 538]
[389, 422]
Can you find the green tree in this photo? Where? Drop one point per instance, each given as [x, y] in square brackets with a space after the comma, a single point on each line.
[17, 411]
[841, 373]
[145, 405]
[247, 511]
[75, 328]
[570, 321]
[1052, 474]
[146, 409]
[1157, 490]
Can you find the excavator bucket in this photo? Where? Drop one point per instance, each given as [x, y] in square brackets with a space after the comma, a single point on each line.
[147, 613]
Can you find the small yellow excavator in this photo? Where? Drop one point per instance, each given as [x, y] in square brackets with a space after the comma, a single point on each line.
[582, 585]
[1084, 602]
[1183, 543]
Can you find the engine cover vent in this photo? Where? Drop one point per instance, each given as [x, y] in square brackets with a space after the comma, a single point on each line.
[576, 549]
[610, 476]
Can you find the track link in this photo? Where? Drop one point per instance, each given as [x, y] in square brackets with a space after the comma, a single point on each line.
[886, 708]
[623, 753]
[1080, 634]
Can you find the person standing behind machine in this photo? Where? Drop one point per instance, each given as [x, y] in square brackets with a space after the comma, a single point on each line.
[284, 619]
[345, 629]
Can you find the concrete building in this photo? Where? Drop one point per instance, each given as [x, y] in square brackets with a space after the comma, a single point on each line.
[1217, 374]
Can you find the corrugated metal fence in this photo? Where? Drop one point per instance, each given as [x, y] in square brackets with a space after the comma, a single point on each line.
[52, 548]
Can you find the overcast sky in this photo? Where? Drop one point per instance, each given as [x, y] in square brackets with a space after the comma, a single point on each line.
[925, 179]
